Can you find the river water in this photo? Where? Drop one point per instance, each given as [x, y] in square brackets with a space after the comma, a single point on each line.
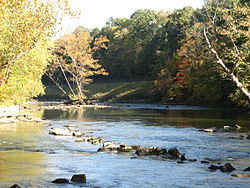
[30, 157]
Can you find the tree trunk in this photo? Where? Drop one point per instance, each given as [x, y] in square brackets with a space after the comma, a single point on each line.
[225, 69]
[69, 85]
[58, 85]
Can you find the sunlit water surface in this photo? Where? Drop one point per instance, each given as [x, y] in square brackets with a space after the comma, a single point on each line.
[30, 157]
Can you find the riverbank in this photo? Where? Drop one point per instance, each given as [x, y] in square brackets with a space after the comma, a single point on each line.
[127, 92]
[133, 92]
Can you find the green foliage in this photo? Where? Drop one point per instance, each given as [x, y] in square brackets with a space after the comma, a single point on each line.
[25, 26]
[172, 48]
[25, 80]
[74, 61]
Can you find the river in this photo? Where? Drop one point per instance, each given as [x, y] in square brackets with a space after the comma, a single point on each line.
[30, 157]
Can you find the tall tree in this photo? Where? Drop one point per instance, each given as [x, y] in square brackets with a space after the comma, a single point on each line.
[25, 25]
[227, 32]
[73, 58]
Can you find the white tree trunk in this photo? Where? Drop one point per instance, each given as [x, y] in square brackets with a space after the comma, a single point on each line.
[225, 69]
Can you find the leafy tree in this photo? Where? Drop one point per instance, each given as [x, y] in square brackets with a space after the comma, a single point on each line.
[227, 33]
[25, 25]
[73, 58]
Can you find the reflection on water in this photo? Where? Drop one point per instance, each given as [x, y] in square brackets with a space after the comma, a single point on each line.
[177, 118]
[20, 166]
[20, 160]
[31, 157]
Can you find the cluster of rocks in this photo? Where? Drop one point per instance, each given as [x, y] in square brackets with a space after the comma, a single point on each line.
[18, 118]
[230, 129]
[80, 102]
[172, 153]
[78, 178]
[91, 139]
[225, 168]
[229, 168]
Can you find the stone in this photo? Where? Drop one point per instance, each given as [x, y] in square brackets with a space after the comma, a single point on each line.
[248, 136]
[106, 144]
[210, 130]
[247, 169]
[70, 125]
[227, 168]
[15, 186]
[214, 167]
[125, 149]
[241, 175]
[151, 151]
[80, 178]
[60, 180]
[60, 132]
[108, 148]
[81, 140]
[76, 133]
[174, 152]
[183, 158]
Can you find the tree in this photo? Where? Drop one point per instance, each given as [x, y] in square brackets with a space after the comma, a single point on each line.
[25, 26]
[227, 32]
[73, 59]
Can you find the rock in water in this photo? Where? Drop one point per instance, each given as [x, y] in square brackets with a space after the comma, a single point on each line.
[214, 167]
[210, 130]
[247, 169]
[60, 132]
[15, 186]
[60, 180]
[248, 136]
[241, 175]
[80, 178]
[174, 152]
[227, 168]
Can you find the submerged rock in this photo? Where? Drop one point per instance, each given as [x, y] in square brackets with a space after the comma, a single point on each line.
[80, 178]
[241, 175]
[60, 180]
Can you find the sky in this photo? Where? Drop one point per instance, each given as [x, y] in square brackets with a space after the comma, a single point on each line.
[95, 13]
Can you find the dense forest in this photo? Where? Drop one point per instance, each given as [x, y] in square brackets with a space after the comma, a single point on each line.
[200, 56]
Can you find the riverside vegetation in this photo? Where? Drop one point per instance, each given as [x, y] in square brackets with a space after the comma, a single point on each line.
[200, 56]
[189, 55]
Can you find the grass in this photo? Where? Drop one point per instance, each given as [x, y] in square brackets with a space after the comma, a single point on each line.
[138, 91]
[121, 91]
